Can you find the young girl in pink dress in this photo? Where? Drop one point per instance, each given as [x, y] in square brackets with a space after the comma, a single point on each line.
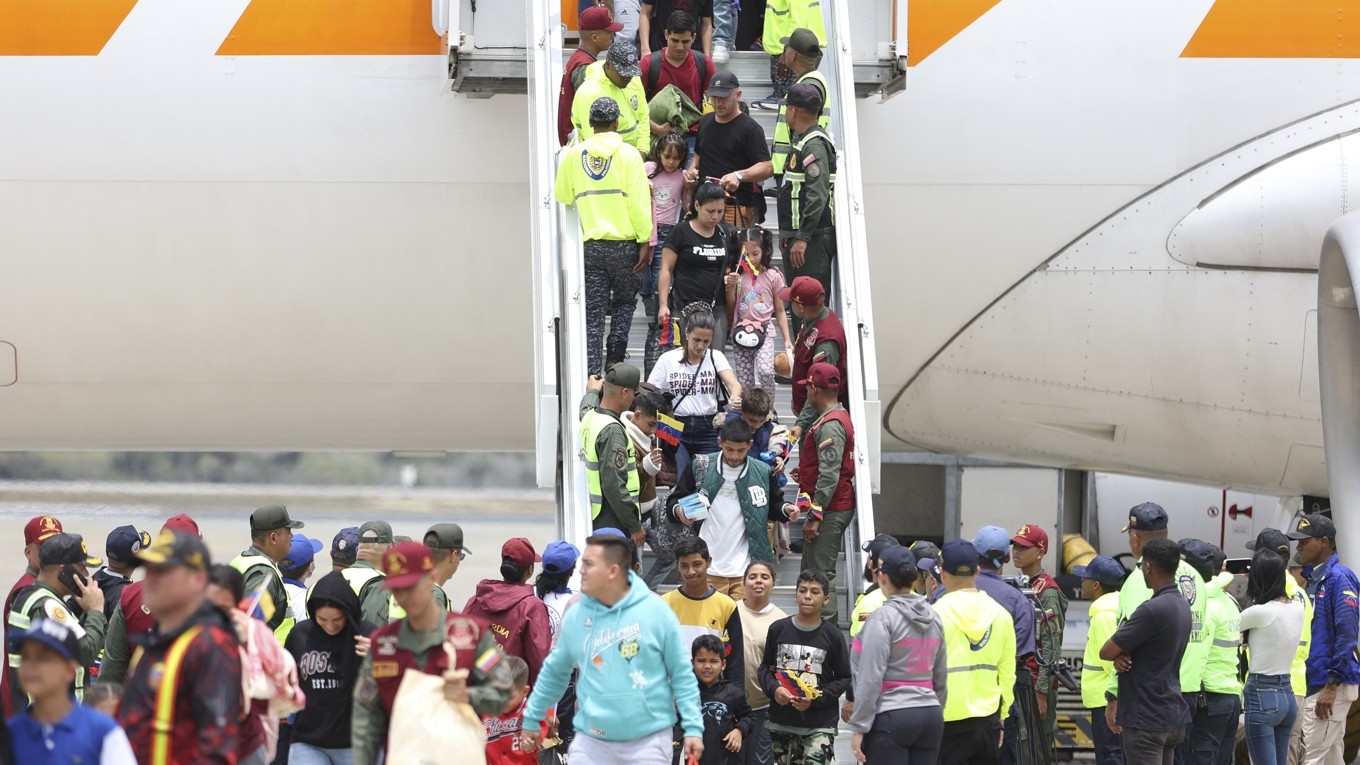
[752, 293]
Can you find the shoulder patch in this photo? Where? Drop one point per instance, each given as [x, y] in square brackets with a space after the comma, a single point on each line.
[827, 443]
[618, 459]
[56, 611]
[385, 669]
[814, 170]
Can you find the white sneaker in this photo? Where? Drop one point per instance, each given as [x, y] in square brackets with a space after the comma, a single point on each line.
[720, 53]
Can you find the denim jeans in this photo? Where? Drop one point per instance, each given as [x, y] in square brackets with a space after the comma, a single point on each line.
[306, 754]
[1270, 713]
[699, 438]
[652, 276]
[725, 23]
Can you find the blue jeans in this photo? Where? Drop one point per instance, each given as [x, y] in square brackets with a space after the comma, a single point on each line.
[1270, 713]
[699, 438]
[306, 754]
[725, 23]
[652, 276]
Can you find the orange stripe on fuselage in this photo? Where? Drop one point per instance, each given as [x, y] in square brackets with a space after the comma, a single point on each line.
[332, 28]
[932, 23]
[59, 27]
[1278, 29]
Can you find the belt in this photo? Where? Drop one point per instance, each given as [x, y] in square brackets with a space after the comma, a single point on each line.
[1259, 679]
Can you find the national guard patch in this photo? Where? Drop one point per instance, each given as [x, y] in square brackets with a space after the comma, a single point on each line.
[633, 102]
[618, 460]
[814, 170]
[1186, 585]
[595, 167]
[384, 669]
[55, 610]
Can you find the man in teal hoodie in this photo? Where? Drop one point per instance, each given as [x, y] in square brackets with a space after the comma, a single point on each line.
[634, 668]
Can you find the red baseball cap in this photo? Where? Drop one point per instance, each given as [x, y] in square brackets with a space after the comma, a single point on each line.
[183, 523]
[519, 552]
[1030, 535]
[405, 563]
[805, 290]
[597, 18]
[40, 528]
[824, 375]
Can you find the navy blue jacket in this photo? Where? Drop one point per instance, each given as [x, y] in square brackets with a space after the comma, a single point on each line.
[1336, 620]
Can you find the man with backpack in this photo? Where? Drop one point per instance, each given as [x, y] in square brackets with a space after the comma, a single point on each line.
[680, 65]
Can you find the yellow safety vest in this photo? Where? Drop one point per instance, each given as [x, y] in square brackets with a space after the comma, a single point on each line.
[791, 190]
[979, 639]
[1298, 671]
[19, 619]
[779, 154]
[592, 425]
[358, 577]
[244, 564]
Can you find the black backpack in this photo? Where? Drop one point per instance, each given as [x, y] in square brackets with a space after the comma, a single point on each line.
[654, 70]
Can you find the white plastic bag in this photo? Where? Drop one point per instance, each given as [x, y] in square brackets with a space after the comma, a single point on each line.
[428, 729]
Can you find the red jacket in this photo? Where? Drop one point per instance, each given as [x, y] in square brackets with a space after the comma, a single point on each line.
[809, 337]
[206, 718]
[519, 620]
[579, 58]
[843, 498]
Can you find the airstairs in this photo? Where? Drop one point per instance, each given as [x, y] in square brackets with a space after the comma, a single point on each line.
[559, 304]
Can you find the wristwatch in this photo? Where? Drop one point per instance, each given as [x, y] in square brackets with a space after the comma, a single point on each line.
[739, 178]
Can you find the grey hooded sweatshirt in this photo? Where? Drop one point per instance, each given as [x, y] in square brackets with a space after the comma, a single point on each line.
[898, 660]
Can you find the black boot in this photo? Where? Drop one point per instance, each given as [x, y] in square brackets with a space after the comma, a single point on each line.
[615, 352]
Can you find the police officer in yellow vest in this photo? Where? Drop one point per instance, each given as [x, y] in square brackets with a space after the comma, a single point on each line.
[271, 538]
[64, 573]
[801, 55]
[611, 469]
[807, 220]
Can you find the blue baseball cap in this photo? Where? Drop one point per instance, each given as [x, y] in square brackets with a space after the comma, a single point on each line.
[560, 557]
[610, 531]
[1102, 569]
[992, 543]
[51, 633]
[345, 546]
[125, 542]
[302, 552]
[960, 558]
[896, 559]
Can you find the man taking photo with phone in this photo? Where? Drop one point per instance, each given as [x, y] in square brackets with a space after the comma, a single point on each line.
[63, 573]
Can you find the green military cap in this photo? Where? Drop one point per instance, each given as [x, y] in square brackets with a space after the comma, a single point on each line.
[398, 539]
[446, 536]
[382, 532]
[624, 376]
[272, 517]
[804, 41]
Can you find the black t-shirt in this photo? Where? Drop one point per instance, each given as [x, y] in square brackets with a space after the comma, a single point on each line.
[699, 262]
[728, 147]
[661, 13]
[750, 24]
[1155, 637]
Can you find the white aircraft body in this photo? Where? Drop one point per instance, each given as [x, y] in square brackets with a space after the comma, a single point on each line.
[1093, 234]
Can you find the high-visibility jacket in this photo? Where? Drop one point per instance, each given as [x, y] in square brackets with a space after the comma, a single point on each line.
[1224, 636]
[979, 638]
[865, 605]
[592, 424]
[281, 619]
[779, 151]
[635, 120]
[607, 183]
[1095, 672]
[1298, 671]
[42, 601]
[1135, 593]
[359, 576]
[784, 16]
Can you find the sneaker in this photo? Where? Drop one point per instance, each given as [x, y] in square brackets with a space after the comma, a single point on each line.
[766, 104]
[720, 53]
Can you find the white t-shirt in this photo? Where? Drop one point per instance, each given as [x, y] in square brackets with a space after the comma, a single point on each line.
[1273, 630]
[725, 529]
[672, 375]
[557, 603]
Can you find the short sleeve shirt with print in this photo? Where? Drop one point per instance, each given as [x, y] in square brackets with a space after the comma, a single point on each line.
[673, 375]
[757, 294]
[699, 262]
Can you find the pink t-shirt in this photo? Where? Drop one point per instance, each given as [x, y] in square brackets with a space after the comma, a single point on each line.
[757, 295]
[668, 197]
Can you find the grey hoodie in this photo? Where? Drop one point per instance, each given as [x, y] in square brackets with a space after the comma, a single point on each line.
[898, 660]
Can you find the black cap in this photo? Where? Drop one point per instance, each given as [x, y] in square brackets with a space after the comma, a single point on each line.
[1313, 525]
[1200, 555]
[959, 557]
[924, 549]
[123, 542]
[896, 559]
[272, 517]
[878, 544]
[1270, 539]
[1148, 516]
[176, 548]
[805, 96]
[723, 84]
[63, 549]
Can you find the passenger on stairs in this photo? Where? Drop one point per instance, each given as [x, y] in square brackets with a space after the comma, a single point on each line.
[820, 340]
[743, 495]
[670, 198]
[611, 469]
[692, 262]
[782, 17]
[807, 218]
[617, 77]
[656, 13]
[703, 610]
[826, 475]
[731, 149]
[801, 55]
[752, 294]
[680, 65]
[607, 185]
[757, 614]
[597, 28]
[691, 375]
